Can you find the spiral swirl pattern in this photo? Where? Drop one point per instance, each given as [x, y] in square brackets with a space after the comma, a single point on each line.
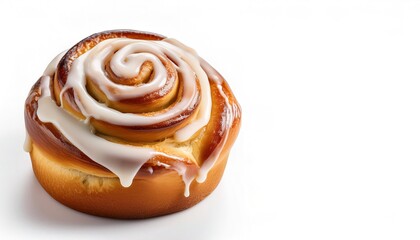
[137, 90]
[125, 101]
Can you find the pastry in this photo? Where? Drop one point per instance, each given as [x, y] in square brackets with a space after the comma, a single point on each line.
[129, 124]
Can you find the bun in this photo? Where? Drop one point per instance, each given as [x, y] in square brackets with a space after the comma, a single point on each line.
[128, 124]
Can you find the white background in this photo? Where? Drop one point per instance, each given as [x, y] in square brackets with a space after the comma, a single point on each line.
[330, 91]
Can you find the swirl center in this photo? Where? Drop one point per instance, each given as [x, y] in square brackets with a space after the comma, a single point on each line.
[144, 76]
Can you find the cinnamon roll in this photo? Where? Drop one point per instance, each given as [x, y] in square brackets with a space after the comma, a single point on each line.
[129, 124]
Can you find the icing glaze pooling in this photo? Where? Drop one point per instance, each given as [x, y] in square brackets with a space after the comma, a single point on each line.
[80, 135]
[91, 64]
[125, 58]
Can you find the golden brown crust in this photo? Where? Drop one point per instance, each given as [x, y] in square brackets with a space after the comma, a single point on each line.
[80, 183]
[149, 104]
[155, 195]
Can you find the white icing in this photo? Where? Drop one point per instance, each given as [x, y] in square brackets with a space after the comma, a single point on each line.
[125, 61]
[49, 71]
[89, 64]
[123, 160]
[186, 176]
[27, 146]
[211, 73]
[182, 170]
[211, 160]
[203, 116]
[161, 164]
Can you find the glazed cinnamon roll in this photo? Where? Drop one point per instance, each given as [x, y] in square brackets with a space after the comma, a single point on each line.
[129, 124]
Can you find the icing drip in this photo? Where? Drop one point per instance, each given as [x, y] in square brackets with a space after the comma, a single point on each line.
[125, 57]
[187, 176]
[106, 153]
[27, 146]
[211, 160]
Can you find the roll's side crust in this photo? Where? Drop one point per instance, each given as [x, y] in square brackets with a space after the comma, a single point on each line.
[149, 196]
[84, 180]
